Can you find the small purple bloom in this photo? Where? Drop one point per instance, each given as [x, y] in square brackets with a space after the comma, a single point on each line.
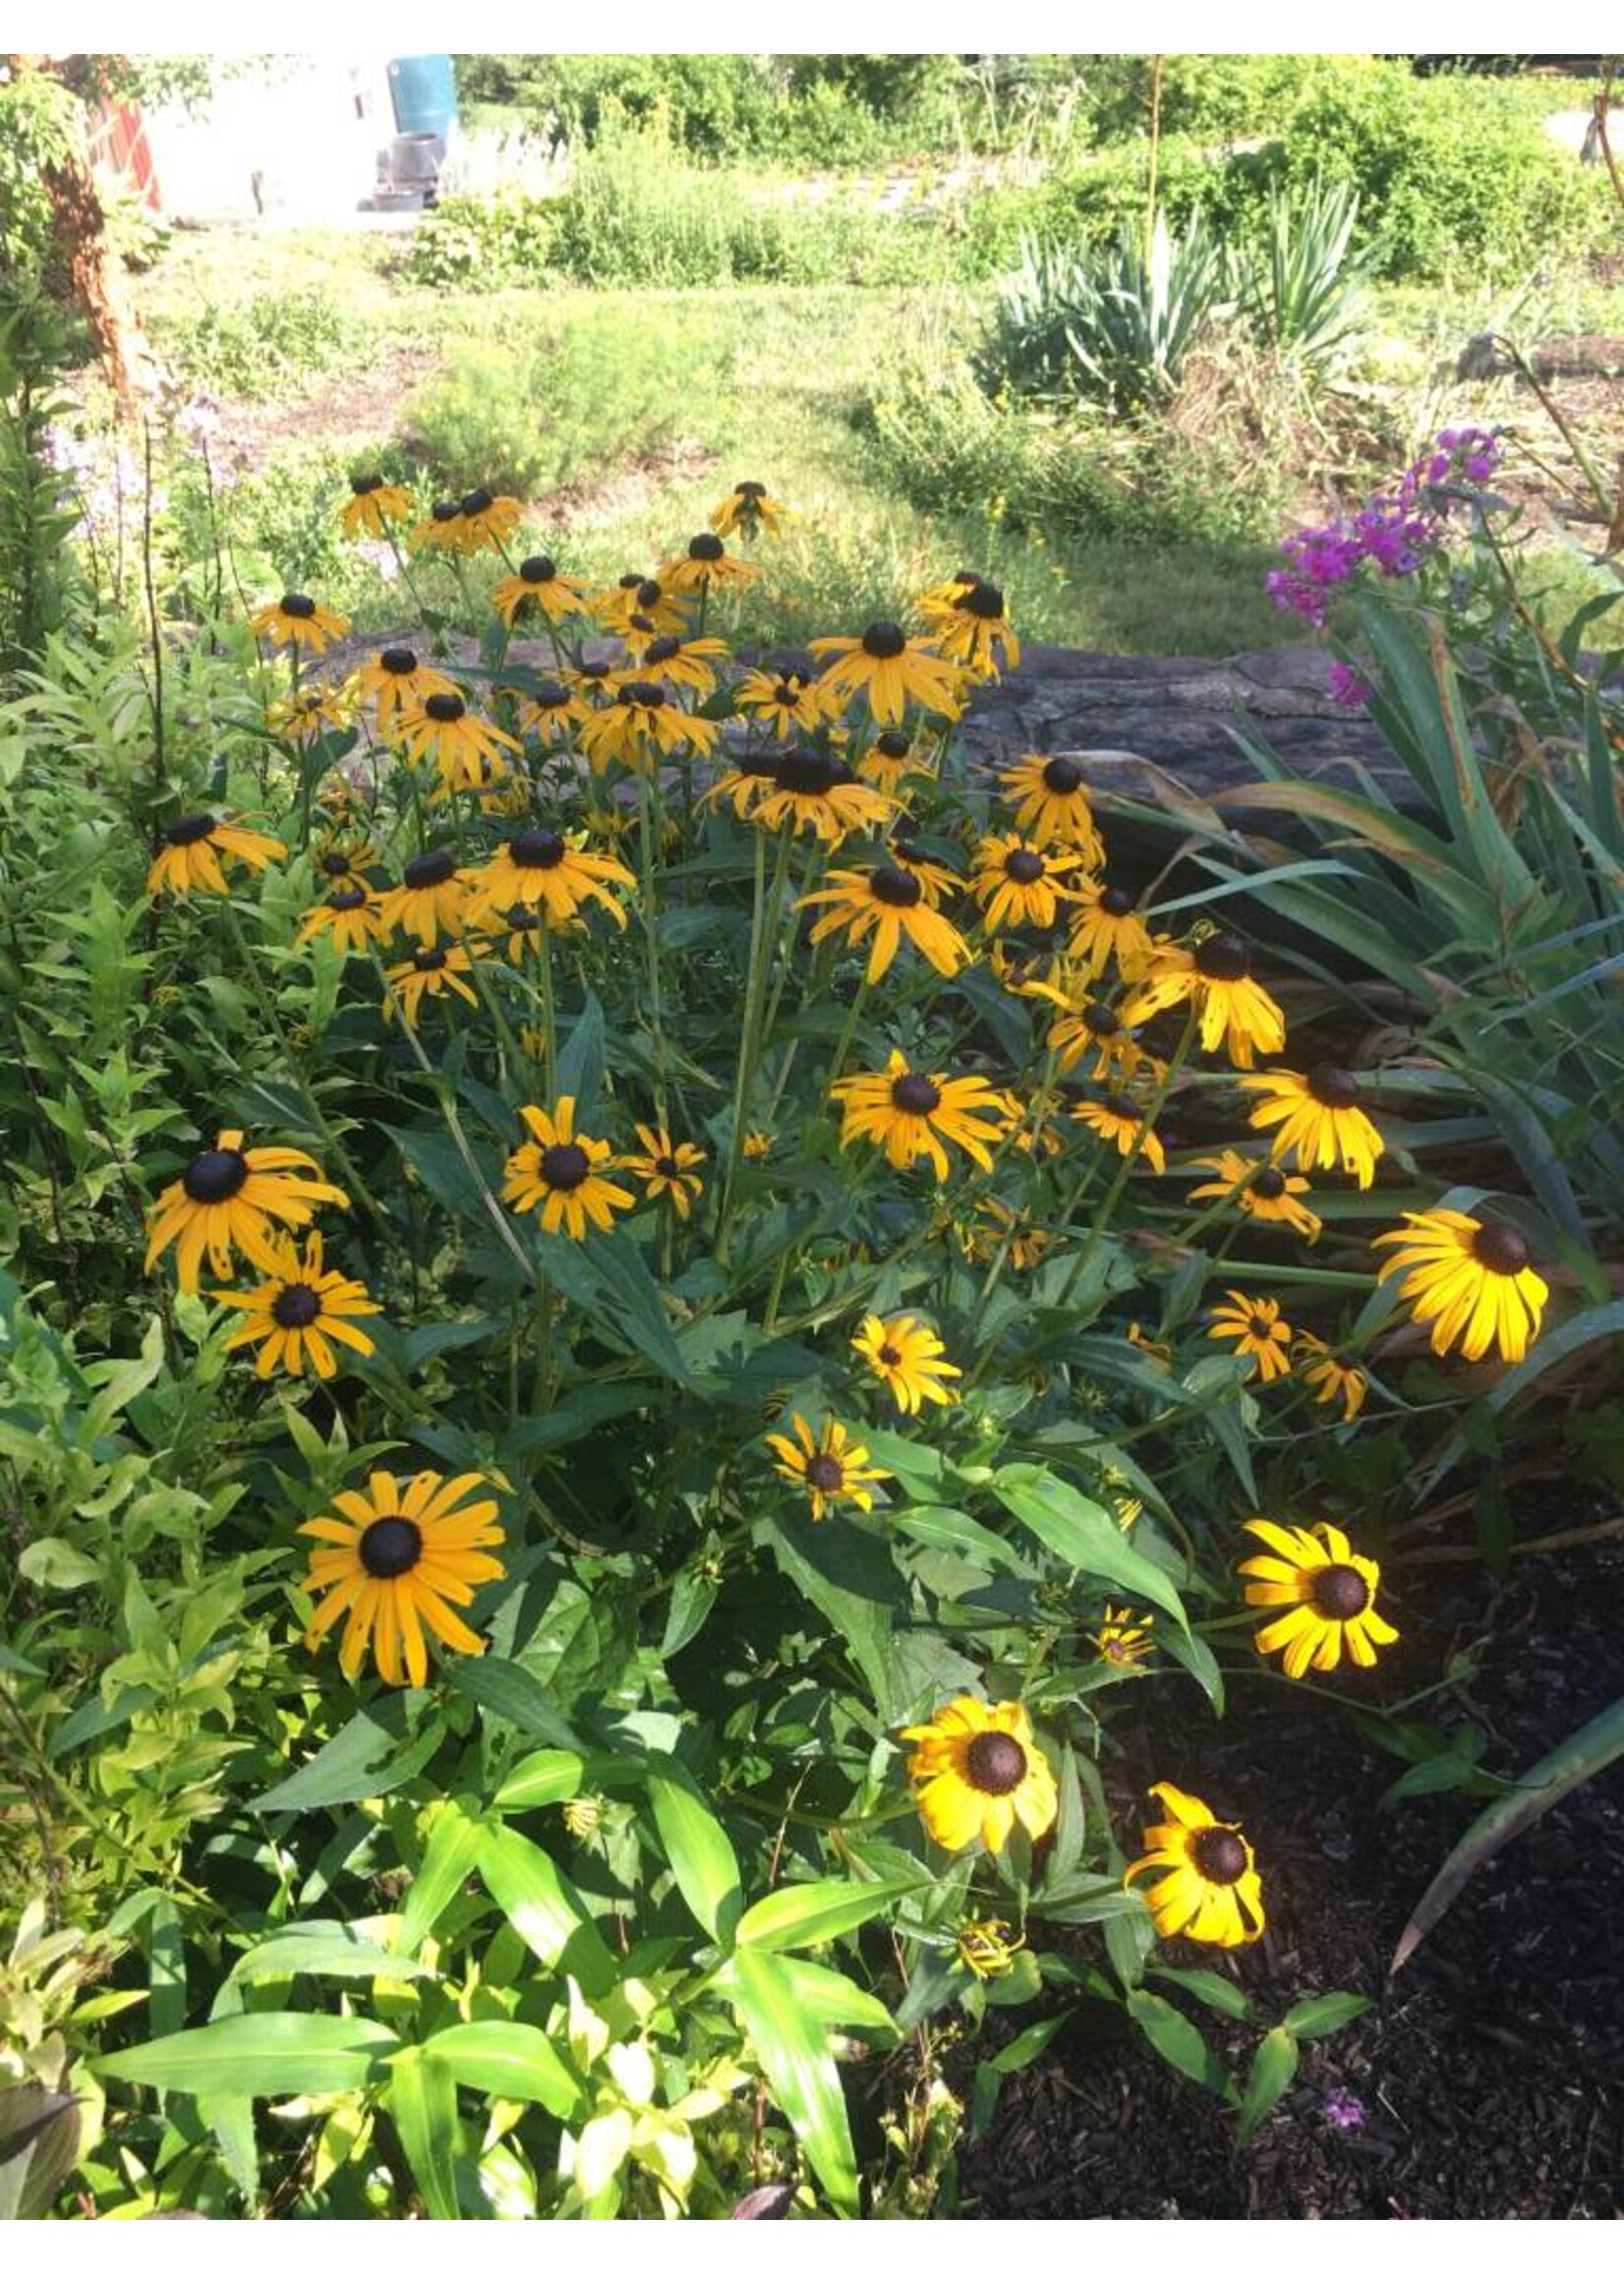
[1349, 691]
[1343, 2110]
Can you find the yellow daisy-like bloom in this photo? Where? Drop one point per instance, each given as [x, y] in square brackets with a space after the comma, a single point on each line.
[971, 627]
[908, 1358]
[561, 1171]
[548, 869]
[495, 787]
[398, 686]
[911, 1113]
[395, 1563]
[1124, 1637]
[758, 1143]
[889, 671]
[751, 778]
[890, 904]
[642, 725]
[669, 1171]
[298, 621]
[748, 508]
[1052, 806]
[679, 662]
[304, 719]
[431, 900]
[1107, 928]
[1088, 1033]
[788, 699]
[635, 595]
[190, 849]
[935, 877]
[349, 918]
[345, 857]
[1261, 1337]
[1122, 1122]
[981, 1241]
[228, 1197]
[892, 758]
[429, 971]
[555, 713]
[810, 790]
[1159, 1353]
[987, 1947]
[484, 523]
[1212, 1892]
[373, 505]
[440, 532]
[539, 587]
[977, 1774]
[1017, 883]
[468, 751]
[1264, 1194]
[523, 933]
[1472, 1280]
[706, 566]
[1234, 1009]
[1331, 1592]
[1331, 1376]
[1318, 1116]
[299, 1312]
[830, 1467]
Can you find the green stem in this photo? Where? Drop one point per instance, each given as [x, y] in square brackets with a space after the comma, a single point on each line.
[764, 927]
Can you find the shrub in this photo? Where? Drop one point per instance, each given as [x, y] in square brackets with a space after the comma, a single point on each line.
[486, 242]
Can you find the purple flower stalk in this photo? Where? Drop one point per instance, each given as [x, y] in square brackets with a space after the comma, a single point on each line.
[1394, 531]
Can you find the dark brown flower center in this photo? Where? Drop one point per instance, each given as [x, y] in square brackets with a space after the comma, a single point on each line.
[364, 484]
[759, 765]
[398, 661]
[1218, 1854]
[984, 601]
[1268, 1183]
[447, 509]
[643, 694]
[893, 743]
[476, 503]
[1500, 1248]
[391, 1547]
[1223, 957]
[563, 1167]
[297, 1306]
[191, 828]
[889, 1355]
[1332, 1085]
[1023, 867]
[825, 1473]
[884, 640]
[661, 651]
[1124, 1109]
[649, 594]
[214, 1176]
[537, 569]
[916, 1093]
[350, 897]
[1339, 1592]
[1100, 1020]
[895, 888]
[1115, 902]
[551, 695]
[520, 918]
[445, 710]
[706, 547]
[536, 849]
[667, 1165]
[749, 489]
[335, 862]
[424, 870]
[995, 1762]
[1062, 776]
[298, 604]
[428, 959]
[808, 773]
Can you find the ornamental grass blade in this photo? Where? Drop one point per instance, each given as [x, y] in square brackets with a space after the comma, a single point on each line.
[1569, 1765]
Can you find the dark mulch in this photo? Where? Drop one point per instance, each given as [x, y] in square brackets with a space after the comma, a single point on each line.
[1492, 2069]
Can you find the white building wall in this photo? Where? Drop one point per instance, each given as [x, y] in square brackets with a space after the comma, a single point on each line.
[294, 140]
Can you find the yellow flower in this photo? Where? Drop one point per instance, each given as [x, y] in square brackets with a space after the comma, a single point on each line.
[298, 621]
[830, 1467]
[430, 899]
[1052, 806]
[349, 918]
[807, 789]
[538, 586]
[892, 758]
[747, 508]
[561, 1171]
[393, 1564]
[789, 698]
[1029, 1242]
[225, 1199]
[908, 1358]
[635, 595]
[1124, 1637]
[758, 1143]
[398, 686]
[299, 1312]
[554, 713]
[1331, 1377]
[1212, 1892]
[1263, 1192]
[442, 532]
[668, 1170]
[889, 671]
[1159, 1353]
[302, 719]
[1106, 927]
[373, 505]
[1017, 883]
[706, 566]
[1261, 1337]
[1331, 1594]
[1122, 1122]
[540, 867]
[642, 725]
[890, 904]
[1234, 1009]
[1470, 1280]
[911, 1113]
[1088, 1033]
[987, 1947]
[429, 971]
[971, 627]
[468, 751]
[1318, 1116]
[678, 661]
[190, 849]
[484, 523]
[938, 881]
[977, 1772]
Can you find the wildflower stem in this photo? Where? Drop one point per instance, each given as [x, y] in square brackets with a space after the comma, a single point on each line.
[764, 927]
[1114, 1191]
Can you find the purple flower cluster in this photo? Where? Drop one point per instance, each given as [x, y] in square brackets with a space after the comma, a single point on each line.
[1349, 691]
[1394, 531]
[1343, 2110]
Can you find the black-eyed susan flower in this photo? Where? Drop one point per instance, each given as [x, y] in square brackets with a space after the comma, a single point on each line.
[810, 790]
[667, 1170]
[889, 905]
[910, 1113]
[1124, 1637]
[302, 719]
[747, 508]
[349, 918]
[1088, 1033]
[431, 900]
[889, 671]
[972, 628]
[1329, 1596]
[1212, 1892]
[373, 504]
[1261, 1338]
[1264, 1194]
[466, 750]
[486, 777]
[977, 1772]
[789, 700]
[1469, 1280]
[1052, 806]
[1017, 883]
[538, 588]
[345, 857]
[1159, 1353]
[680, 663]
[892, 758]
[1107, 928]
[937, 879]
[1317, 1118]
[830, 1467]
[300, 1312]
[1330, 1377]
[441, 531]
[1120, 1121]
[551, 870]
[987, 1947]
[398, 686]
[485, 522]
[745, 783]
[1235, 1011]
[706, 566]
[1000, 1229]
[641, 725]
[522, 933]
[643, 596]
[555, 713]
[908, 1358]
[392, 1563]
[190, 851]
[559, 1169]
[300, 623]
[229, 1197]
[430, 972]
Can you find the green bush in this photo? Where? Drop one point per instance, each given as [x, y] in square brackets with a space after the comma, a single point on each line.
[485, 241]
[261, 346]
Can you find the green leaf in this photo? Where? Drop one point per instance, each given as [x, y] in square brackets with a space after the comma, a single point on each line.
[952, 1530]
[538, 1778]
[1083, 1535]
[794, 2056]
[581, 1061]
[451, 1853]
[1177, 2039]
[54, 1563]
[607, 1278]
[1214, 1989]
[1274, 2066]
[513, 1694]
[1191, 1652]
[1023, 2051]
[814, 1911]
[692, 1600]
[365, 1758]
[322, 1947]
[271, 2055]
[1320, 2017]
[422, 2099]
[510, 2061]
[544, 1910]
[699, 1851]
[849, 1577]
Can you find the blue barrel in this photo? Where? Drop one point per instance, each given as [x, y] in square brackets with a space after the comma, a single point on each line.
[424, 91]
